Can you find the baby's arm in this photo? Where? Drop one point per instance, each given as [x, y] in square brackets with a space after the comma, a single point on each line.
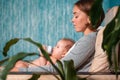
[19, 64]
[38, 62]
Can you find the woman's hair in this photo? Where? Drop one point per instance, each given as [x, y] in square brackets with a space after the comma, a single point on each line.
[85, 6]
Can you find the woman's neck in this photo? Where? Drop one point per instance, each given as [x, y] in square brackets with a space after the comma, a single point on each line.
[88, 31]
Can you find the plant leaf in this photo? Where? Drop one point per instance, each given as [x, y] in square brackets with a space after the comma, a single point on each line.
[39, 46]
[60, 67]
[97, 13]
[115, 62]
[3, 61]
[35, 77]
[70, 72]
[33, 42]
[8, 45]
[106, 39]
[11, 62]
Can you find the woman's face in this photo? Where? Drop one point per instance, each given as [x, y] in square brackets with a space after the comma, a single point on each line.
[80, 20]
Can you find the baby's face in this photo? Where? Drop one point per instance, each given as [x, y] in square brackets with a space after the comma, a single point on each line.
[59, 50]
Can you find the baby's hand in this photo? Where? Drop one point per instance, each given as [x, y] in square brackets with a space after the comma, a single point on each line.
[40, 52]
[47, 49]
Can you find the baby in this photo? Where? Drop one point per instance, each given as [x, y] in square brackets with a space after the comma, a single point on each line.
[58, 52]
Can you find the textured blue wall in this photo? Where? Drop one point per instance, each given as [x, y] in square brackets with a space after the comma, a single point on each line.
[45, 21]
[114, 3]
[107, 4]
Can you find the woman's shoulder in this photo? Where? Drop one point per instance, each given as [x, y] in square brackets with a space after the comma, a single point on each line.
[89, 37]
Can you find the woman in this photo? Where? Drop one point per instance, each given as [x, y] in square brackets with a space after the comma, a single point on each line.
[83, 50]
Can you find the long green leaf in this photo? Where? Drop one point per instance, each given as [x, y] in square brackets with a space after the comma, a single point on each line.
[11, 62]
[106, 39]
[60, 67]
[35, 77]
[8, 45]
[115, 62]
[39, 46]
[3, 61]
[70, 72]
[97, 13]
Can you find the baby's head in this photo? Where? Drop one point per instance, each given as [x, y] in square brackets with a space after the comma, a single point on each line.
[62, 47]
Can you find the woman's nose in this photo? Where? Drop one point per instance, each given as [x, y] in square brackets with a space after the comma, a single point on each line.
[72, 20]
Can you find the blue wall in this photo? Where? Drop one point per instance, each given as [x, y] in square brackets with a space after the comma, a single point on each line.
[45, 21]
[114, 3]
[107, 4]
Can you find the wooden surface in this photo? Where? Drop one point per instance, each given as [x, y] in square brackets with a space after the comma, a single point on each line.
[97, 76]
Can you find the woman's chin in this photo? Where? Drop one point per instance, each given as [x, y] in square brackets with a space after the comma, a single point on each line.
[77, 30]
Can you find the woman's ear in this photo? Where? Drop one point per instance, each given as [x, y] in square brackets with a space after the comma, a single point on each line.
[88, 19]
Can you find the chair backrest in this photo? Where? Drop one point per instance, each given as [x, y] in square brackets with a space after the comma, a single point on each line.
[110, 15]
